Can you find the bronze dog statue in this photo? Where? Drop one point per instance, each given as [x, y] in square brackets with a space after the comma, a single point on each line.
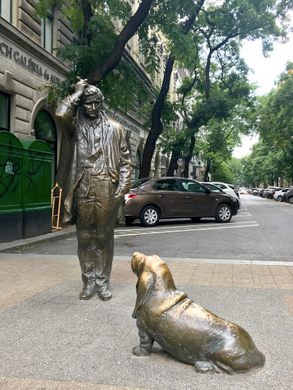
[184, 329]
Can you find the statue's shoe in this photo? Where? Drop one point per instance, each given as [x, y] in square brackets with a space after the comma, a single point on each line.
[104, 293]
[141, 351]
[87, 293]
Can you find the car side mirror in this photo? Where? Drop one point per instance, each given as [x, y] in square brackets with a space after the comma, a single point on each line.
[207, 190]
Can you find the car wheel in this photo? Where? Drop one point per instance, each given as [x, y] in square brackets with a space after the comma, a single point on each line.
[223, 213]
[129, 220]
[149, 216]
[290, 199]
[279, 198]
[195, 219]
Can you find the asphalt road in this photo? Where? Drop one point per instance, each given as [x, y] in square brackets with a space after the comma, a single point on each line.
[262, 231]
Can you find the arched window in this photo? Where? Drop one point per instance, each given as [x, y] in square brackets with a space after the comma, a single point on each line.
[45, 129]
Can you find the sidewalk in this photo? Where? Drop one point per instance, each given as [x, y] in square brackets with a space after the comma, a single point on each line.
[51, 340]
[27, 242]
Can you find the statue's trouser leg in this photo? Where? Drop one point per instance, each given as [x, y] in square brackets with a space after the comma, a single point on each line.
[96, 216]
[145, 342]
[86, 238]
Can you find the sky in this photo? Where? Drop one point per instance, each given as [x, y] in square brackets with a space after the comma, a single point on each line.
[264, 71]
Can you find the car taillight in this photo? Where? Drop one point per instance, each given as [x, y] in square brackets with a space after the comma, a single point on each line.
[128, 197]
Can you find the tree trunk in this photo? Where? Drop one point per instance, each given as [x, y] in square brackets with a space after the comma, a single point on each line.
[157, 126]
[188, 158]
[172, 164]
[87, 13]
[207, 170]
[127, 32]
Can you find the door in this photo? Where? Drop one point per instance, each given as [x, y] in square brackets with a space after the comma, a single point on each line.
[196, 201]
[167, 196]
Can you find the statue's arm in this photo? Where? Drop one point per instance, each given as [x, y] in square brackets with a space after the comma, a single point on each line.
[66, 109]
[125, 166]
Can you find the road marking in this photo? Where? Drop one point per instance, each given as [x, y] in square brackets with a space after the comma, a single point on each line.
[185, 230]
[20, 257]
[216, 261]
[195, 226]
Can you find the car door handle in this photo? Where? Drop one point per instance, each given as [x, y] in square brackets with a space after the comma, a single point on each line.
[187, 196]
[161, 196]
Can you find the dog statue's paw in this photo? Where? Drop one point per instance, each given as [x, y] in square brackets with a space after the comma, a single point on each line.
[207, 366]
[140, 351]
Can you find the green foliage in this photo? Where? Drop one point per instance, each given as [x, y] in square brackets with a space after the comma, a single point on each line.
[217, 85]
[272, 157]
[122, 87]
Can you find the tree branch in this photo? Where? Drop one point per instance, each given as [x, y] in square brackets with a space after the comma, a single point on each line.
[127, 32]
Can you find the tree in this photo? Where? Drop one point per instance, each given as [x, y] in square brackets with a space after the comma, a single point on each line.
[178, 31]
[99, 48]
[272, 157]
[222, 28]
[102, 29]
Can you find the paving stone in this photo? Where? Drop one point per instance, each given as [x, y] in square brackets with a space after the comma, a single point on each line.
[51, 340]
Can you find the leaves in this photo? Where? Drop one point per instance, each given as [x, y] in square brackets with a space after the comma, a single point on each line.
[272, 157]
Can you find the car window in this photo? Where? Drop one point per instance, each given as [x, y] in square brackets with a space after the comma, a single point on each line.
[139, 182]
[222, 186]
[212, 187]
[166, 185]
[192, 186]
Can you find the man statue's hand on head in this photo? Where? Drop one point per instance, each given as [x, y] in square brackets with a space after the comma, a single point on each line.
[81, 85]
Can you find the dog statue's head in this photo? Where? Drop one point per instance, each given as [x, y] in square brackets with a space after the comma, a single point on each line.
[138, 263]
[153, 273]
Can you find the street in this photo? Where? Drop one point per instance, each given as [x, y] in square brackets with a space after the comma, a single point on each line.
[52, 340]
[261, 231]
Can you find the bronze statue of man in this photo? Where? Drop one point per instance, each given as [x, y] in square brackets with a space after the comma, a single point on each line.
[101, 173]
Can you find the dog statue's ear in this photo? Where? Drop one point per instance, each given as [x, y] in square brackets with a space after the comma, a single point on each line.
[144, 286]
[138, 262]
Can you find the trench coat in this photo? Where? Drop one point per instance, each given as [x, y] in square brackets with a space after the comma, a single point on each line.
[115, 151]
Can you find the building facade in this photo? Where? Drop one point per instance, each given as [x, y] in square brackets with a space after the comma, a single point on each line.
[28, 64]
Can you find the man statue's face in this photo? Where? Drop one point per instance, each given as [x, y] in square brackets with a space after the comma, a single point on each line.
[92, 106]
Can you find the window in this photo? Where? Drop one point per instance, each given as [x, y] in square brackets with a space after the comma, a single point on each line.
[192, 186]
[4, 112]
[47, 31]
[212, 187]
[222, 186]
[166, 185]
[6, 9]
[45, 129]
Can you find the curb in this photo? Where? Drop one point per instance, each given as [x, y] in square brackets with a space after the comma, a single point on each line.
[31, 241]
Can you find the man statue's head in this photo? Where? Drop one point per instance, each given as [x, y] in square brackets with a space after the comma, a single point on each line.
[92, 101]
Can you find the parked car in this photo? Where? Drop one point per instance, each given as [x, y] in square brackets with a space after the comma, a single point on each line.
[255, 191]
[228, 189]
[175, 197]
[279, 195]
[289, 195]
[269, 192]
[243, 191]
